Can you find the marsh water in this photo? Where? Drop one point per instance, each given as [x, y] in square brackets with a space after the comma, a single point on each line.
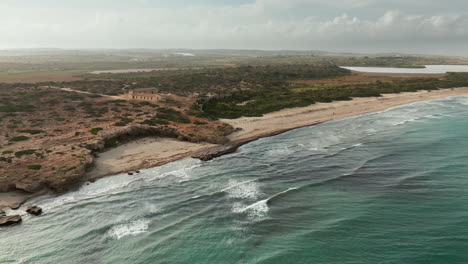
[430, 69]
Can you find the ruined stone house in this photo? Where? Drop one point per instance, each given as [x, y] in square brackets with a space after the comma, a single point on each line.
[144, 94]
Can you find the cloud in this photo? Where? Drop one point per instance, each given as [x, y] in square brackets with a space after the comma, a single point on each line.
[262, 24]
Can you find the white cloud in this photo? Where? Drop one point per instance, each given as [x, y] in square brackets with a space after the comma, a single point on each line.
[261, 24]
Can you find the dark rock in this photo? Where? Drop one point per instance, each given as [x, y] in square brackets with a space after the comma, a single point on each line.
[10, 220]
[34, 210]
[15, 206]
[130, 173]
[137, 171]
[217, 151]
[2, 214]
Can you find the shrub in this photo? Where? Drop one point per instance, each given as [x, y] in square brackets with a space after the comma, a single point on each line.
[121, 123]
[95, 130]
[111, 143]
[124, 121]
[199, 123]
[16, 108]
[34, 167]
[19, 138]
[8, 152]
[31, 131]
[154, 122]
[21, 153]
[171, 115]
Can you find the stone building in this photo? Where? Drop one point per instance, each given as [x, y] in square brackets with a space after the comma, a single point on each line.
[144, 94]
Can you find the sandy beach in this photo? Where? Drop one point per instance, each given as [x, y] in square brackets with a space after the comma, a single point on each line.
[151, 152]
[318, 113]
[146, 153]
[142, 153]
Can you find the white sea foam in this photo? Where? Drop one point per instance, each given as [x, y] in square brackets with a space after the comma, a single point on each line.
[237, 207]
[242, 193]
[282, 151]
[258, 210]
[243, 190]
[130, 229]
[405, 121]
[115, 184]
[433, 116]
[236, 184]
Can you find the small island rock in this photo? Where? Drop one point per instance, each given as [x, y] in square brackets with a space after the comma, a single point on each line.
[34, 210]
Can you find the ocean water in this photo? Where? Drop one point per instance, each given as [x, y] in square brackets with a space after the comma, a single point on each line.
[387, 187]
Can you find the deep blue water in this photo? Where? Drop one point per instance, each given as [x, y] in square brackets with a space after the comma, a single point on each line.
[388, 187]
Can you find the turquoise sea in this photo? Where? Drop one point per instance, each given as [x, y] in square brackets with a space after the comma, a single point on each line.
[387, 187]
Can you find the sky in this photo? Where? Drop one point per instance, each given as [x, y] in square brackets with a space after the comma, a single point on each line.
[409, 26]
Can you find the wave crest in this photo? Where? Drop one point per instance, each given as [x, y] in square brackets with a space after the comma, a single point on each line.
[130, 229]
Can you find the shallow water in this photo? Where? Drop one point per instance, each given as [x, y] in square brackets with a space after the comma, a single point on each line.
[430, 69]
[387, 187]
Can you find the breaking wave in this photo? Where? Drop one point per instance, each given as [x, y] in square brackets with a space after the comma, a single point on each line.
[129, 229]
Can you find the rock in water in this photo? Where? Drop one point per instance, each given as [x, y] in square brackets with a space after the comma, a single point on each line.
[34, 210]
[10, 220]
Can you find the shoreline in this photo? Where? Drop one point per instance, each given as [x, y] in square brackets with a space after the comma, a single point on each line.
[152, 152]
[253, 128]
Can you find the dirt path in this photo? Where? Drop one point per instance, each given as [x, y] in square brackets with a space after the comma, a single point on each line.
[115, 97]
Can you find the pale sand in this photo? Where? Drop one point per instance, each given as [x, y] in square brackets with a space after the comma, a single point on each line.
[318, 113]
[142, 153]
[148, 153]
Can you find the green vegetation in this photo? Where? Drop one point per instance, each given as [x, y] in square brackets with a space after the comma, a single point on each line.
[9, 108]
[218, 81]
[8, 152]
[95, 130]
[170, 114]
[111, 143]
[19, 138]
[34, 167]
[155, 122]
[286, 95]
[31, 131]
[26, 152]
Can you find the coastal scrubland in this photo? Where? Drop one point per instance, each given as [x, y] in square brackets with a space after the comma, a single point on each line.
[52, 128]
[48, 136]
[73, 65]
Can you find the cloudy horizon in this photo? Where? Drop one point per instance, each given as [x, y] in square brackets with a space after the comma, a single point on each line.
[363, 26]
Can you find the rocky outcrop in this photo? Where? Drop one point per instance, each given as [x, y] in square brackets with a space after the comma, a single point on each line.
[65, 167]
[231, 147]
[126, 134]
[217, 151]
[34, 210]
[10, 220]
